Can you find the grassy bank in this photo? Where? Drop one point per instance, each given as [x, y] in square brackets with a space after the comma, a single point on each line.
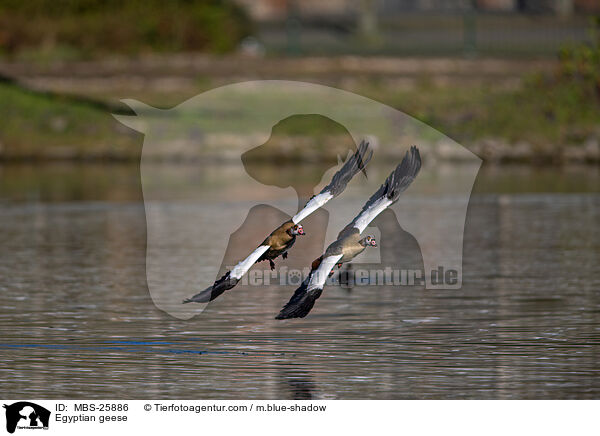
[541, 120]
[47, 126]
[551, 116]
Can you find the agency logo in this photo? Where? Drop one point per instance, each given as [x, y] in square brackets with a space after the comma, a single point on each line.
[26, 415]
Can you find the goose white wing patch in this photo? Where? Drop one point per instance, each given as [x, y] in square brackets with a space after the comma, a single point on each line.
[313, 204]
[319, 276]
[363, 220]
[241, 268]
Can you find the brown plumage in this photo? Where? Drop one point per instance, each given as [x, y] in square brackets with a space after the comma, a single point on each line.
[280, 241]
[315, 264]
[349, 246]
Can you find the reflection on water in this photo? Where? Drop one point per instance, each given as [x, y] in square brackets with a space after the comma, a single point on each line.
[77, 320]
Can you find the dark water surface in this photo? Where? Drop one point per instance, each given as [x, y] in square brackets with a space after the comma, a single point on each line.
[77, 320]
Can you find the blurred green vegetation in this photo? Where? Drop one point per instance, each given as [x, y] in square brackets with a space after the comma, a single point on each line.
[52, 29]
[550, 108]
[580, 63]
[544, 112]
[36, 125]
[548, 111]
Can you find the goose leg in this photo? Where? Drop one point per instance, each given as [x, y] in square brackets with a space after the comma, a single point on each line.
[284, 255]
[272, 264]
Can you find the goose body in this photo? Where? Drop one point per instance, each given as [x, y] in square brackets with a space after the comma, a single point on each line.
[349, 247]
[280, 241]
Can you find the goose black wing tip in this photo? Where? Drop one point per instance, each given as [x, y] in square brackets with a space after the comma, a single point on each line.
[355, 163]
[404, 174]
[201, 297]
[364, 155]
[416, 157]
[191, 300]
[300, 305]
[209, 294]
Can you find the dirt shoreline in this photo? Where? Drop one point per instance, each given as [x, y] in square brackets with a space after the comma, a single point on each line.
[491, 151]
[185, 72]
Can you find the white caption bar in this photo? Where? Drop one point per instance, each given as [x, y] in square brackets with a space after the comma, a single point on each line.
[160, 417]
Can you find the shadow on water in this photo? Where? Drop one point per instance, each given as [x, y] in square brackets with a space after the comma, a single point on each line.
[77, 320]
[297, 385]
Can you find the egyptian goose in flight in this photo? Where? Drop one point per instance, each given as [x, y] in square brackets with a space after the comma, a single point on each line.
[283, 237]
[349, 243]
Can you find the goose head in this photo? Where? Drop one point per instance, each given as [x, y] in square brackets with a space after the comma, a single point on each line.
[369, 241]
[296, 230]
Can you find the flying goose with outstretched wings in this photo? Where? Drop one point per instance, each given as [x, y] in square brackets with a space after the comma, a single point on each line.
[349, 243]
[283, 237]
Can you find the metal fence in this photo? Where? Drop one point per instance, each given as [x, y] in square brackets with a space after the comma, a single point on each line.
[420, 27]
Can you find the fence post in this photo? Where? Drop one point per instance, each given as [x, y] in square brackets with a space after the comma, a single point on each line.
[470, 30]
[292, 27]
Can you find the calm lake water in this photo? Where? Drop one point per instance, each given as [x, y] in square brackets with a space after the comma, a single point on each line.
[77, 319]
